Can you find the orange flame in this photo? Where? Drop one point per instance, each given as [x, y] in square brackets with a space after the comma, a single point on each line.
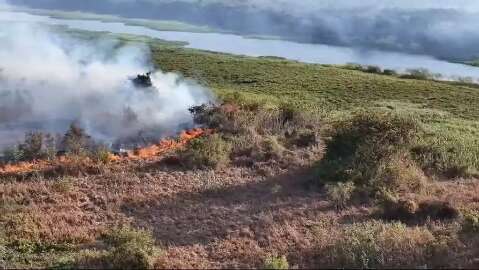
[150, 152]
[168, 145]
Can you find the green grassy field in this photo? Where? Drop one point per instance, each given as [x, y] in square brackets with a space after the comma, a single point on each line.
[449, 112]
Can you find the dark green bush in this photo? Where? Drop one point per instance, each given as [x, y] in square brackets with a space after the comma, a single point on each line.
[359, 146]
[390, 72]
[373, 69]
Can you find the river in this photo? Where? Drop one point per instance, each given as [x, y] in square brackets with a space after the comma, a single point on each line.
[235, 44]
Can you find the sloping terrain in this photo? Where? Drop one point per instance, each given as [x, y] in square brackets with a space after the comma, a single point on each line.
[251, 193]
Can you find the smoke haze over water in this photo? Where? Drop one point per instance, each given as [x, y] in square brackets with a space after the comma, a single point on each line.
[442, 28]
[48, 80]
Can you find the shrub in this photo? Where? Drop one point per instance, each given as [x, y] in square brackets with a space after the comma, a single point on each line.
[373, 69]
[207, 152]
[32, 147]
[303, 138]
[269, 149]
[260, 134]
[398, 173]
[76, 141]
[340, 193]
[452, 159]
[390, 72]
[409, 210]
[276, 263]
[12, 155]
[358, 147]
[421, 74]
[100, 154]
[290, 113]
[379, 245]
[353, 66]
[471, 222]
[437, 210]
[395, 209]
[130, 249]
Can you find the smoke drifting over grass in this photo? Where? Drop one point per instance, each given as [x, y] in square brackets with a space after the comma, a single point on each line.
[48, 80]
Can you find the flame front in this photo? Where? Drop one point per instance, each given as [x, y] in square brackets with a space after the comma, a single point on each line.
[146, 153]
[168, 145]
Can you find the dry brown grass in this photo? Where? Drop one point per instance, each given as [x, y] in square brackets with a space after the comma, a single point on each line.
[215, 218]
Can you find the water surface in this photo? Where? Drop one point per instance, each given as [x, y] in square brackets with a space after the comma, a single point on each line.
[235, 44]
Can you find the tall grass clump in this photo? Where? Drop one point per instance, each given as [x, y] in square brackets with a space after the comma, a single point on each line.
[381, 245]
[206, 152]
[130, 249]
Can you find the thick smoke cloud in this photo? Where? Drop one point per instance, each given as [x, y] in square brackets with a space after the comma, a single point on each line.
[48, 80]
[442, 28]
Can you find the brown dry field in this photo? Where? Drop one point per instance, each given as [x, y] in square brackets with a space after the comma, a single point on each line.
[231, 218]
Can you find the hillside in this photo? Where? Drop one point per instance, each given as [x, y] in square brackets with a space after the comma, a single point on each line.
[297, 165]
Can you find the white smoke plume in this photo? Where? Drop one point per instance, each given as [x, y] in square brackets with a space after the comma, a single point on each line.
[48, 80]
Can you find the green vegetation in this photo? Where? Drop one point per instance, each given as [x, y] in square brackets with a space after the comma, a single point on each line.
[448, 113]
[379, 245]
[276, 263]
[471, 222]
[131, 249]
[208, 152]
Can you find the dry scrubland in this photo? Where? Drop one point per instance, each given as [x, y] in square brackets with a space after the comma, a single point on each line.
[309, 166]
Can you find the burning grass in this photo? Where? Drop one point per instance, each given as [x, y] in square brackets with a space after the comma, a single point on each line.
[259, 209]
[77, 164]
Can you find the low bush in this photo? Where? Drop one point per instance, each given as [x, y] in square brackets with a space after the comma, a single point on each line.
[340, 194]
[437, 210]
[420, 74]
[398, 173]
[276, 263]
[76, 141]
[100, 154]
[366, 149]
[259, 134]
[130, 249]
[373, 69]
[380, 245]
[36, 145]
[471, 222]
[390, 72]
[268, 149]
[448, 158]
[410, 211]
[206, 152]
[393, 208]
